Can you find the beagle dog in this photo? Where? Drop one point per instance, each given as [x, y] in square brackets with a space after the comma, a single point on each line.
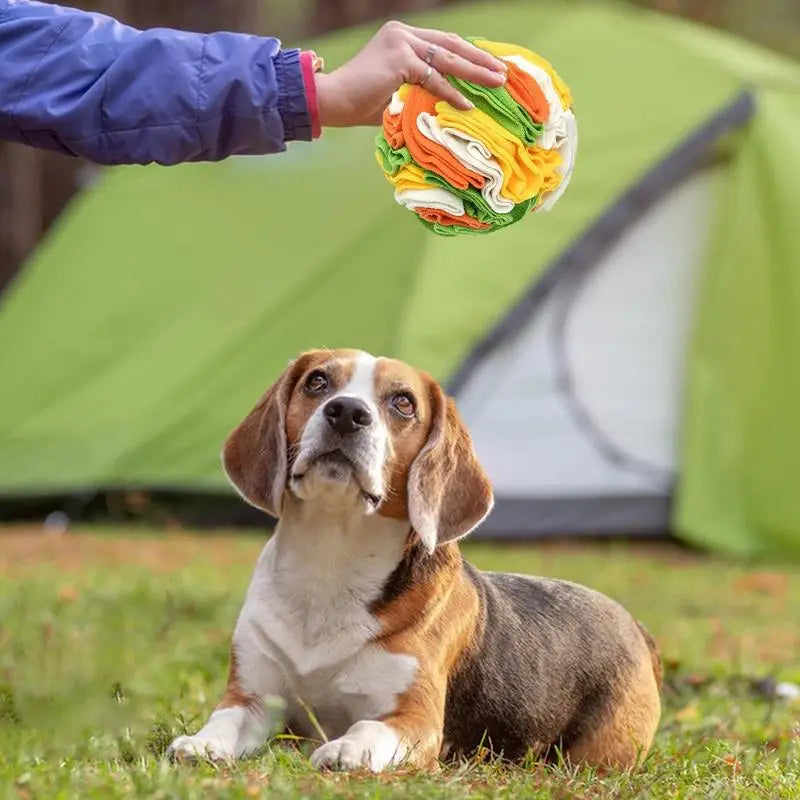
[365, 621]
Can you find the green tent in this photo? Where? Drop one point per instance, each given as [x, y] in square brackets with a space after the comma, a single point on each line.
[166, 300]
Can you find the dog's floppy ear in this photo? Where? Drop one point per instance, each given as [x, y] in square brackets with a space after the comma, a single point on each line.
[255, 455]
[448, 491]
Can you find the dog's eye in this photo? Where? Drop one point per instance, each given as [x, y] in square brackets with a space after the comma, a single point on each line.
[316, 383]
[403, 403]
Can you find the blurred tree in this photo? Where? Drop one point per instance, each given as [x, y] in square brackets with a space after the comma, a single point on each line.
[21, 206]
[248, 16]
[330, 15]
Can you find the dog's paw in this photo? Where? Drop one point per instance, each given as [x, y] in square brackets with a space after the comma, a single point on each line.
[193, 748]
[369, 744]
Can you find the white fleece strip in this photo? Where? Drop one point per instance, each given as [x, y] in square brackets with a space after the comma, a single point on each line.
[560, 130]
[397, 104]
[437, 198]
[473, 154]
[568, 147]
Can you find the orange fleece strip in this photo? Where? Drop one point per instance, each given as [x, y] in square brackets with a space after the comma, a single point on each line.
[427, 153]
[443, 218]
[527, 92]
[393, 129]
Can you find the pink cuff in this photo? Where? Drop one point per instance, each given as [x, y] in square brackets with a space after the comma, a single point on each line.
[309, 64]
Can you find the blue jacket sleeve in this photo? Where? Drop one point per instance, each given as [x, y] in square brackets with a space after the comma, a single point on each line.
[86, 85]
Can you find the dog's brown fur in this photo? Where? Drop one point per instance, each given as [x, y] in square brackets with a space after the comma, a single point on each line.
[434, 620]
[234, 695]
[525, 664]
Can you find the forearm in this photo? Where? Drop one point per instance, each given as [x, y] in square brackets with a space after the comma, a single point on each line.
[87, 85]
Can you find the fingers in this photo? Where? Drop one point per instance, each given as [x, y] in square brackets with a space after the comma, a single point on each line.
[452, 43]
[450, 63]
[438, 85]
[406, 52]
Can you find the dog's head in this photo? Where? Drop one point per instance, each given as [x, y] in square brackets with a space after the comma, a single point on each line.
[348, 429]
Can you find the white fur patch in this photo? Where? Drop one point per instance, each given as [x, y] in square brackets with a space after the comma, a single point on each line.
[307, 616]
[369, 744]
[362, 381]
[305, 633]
[367, 452]
[230, 733]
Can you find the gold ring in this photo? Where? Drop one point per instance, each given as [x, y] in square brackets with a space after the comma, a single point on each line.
[431, 53]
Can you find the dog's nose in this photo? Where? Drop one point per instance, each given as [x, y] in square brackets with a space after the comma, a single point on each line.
[347, 415]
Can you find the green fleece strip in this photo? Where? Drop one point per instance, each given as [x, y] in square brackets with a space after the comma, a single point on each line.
[393, 160]
[502, 108]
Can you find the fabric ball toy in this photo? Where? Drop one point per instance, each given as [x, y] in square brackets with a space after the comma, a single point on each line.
[480, 170]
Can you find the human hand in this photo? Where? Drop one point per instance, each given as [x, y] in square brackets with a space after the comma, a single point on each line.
[357, 92]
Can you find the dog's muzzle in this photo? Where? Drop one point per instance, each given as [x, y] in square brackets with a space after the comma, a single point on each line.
[344, 436]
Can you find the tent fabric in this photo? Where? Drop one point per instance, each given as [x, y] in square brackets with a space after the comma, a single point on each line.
[166, 300]
[582, 254]
[576, 416]
[741, 439]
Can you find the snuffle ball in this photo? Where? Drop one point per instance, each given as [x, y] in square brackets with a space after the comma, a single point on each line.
[480, 170]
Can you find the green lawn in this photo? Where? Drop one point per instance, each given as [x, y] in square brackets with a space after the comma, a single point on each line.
[110, 645]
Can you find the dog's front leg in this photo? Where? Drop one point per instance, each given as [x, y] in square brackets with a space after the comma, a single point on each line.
[241, 722]
[411, 735]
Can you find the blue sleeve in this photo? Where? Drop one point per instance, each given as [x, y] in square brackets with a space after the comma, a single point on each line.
[87, 85]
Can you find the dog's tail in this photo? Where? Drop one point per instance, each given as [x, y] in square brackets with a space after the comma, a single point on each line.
[658, 669]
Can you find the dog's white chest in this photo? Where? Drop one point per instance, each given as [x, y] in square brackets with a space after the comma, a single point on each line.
[310, 619]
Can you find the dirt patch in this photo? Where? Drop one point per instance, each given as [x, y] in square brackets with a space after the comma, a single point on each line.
[25, 547]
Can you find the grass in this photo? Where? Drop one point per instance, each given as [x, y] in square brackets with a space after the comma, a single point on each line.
[111, 645]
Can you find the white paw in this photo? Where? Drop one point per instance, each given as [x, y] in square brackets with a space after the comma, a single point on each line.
[369, 744]
[191, 748]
